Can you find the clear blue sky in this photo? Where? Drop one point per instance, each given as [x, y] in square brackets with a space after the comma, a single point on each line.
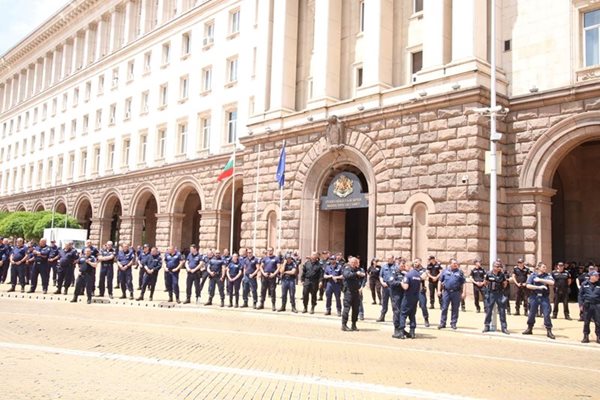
[18, 18]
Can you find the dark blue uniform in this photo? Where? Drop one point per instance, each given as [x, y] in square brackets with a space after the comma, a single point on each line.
[561, 292]
[288, 285]
[385, 275]
[66, 268]
[249, 282]
[142, 255]
[410, 300]
[53, 261]
[152, 265]
[107, 271]
[495, 297]
[333, 286]
[478, 275]
[396, 292]
[172, 262]
[434, 270]
[452, 288]
[215, 269]
[40, 268]
[423, 296]
[539, 298]
[5, 251]
[233, 286]
[268, 282]
[312, 274]
[589, 298]
[19, 266]
[125, 259]
[352, 285]
[86, 278]
[520, 277]
[193, 278]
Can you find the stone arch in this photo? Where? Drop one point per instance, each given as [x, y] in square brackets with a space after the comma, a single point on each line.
[83, 211]
[312, 181]
[419, 198]
[20, 207]
[60, 205]
[270, 216]
[108, 199]
[551, 147]
[143, 209]
[184, 207]
[181, 187]
[110, 216]
[38, 206]
[222, 205]
[4, 208]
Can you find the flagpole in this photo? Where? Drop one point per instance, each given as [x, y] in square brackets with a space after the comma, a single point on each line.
[231, 250]
[280, 202]
[256, 201]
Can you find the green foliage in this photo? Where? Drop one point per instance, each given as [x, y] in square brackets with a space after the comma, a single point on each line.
[31, 225]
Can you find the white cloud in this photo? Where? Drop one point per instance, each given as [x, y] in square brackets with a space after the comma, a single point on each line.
[19, 18]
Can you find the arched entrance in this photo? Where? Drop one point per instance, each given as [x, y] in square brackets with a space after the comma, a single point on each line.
[37, 207]
[575, 208]
[145, 208]
[83, 213]
[224, 214]
[350, 230]
[112, 212]
[60, 207]
[20, 207]
[186, 205]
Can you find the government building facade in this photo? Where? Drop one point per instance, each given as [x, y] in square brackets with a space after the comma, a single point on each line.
[123, 113]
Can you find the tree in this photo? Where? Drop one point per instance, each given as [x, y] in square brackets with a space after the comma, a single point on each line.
[45, 221]
[31, 225]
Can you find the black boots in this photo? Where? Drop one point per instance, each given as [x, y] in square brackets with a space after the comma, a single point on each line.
[381, 318]
[586, 339]
[550, 334]
[354, 328]
[399, 334]
[345, 328]
[528, 331]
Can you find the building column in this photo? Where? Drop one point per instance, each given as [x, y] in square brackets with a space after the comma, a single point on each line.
[378, 35]
[326, 58]
[209, 220]
[168, 229]
[53, 67]
[284, 51]
[27, 84]
[100, 230]
[141, 29]
[160, 12]
[469, 30]
[85, 59]
[113, 31]
[179, 6]
[100, 27]
[128, 19]
[37, 76]
[64, 68]
[126, 229]
[137, 227]
[75, 53]
[437, 42]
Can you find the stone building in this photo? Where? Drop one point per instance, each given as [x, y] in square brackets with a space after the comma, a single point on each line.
[373, 98]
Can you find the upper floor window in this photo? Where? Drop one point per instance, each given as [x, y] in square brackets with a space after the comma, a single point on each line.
[232, 70]
[206, 79]
[147, 61]
[361, 16]
[166, 50]
[418, 6]
[231, 126]
[591, 29]
[234, 21]
[209, 33]
[186, 44]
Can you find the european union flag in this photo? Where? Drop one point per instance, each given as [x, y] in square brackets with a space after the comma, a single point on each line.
[280, 175]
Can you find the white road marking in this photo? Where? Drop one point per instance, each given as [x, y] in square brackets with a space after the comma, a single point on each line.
[129, 323]
[247, 372]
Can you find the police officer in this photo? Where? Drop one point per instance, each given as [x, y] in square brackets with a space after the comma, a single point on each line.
[418, 266]
[204, 268]
[193, 267]
[68, 256]
[452, 287]
[288, 273]
[152, 265]
[333, 281]
[125, 260]
[412, 285]
[5, 250]
[562, 281]
[397, 293]
[106, 258]
[478, 278]
[40, 266]
[325, 255]
[87, 275]
[174, 261]
[269, 266]
[384, 277]
[312, 273]
[495, 282]
[141, 259]
[583, 277]
[53, 258]
[433, 275]
[589, 298]
[216, 274]
[249, 282]
[353, 278]
[94, 249]
[29, 262]
[519, 278]
[234, 274]
[374, 283]
[18, 260]
[539, 284]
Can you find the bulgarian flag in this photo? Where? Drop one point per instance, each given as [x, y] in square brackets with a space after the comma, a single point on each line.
[228, 170]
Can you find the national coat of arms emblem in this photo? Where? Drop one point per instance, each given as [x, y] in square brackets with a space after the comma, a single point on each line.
[343, 186]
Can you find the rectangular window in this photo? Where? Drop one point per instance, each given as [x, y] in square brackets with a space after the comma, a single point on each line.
[232, 126]
[71, 173]
[52, 137]
[32, 144]
[144, 102]
[209, 34]
[161, 143]
[100, 84]
[59, 170]
[206, 79]
[75, 97]
[85, 124]
[147, 61]
[166, 50]
[186, 43]
[24, 147]
[361, 16]
[88, 90]
[130, 70]
[98, 119]
[163, 95]
[234, 21]
[65, 99]
[35, 115]
[418, 6]
[204, 141]
[73, 129]
[44, 111]
[115, 78]
[96, 164]
[62, 133]
[359, 77]
[127, 109]
[125, 153]
[49, 172]
[110, 160]
[417, 61]
[112, 114]
[42, 140]
[143, 148]
[232, 70]
[26, 119]
[182, 133]
[591, 31]
[183, 87]
[83, 163]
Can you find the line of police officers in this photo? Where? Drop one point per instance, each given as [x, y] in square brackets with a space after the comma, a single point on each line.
[396, 281]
